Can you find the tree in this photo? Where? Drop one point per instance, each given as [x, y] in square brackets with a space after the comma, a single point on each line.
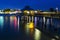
[6, 10]
[27, 7]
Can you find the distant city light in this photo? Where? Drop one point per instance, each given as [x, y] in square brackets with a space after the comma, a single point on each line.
[32, 12]
[36, 11]
[28, 12]
[57, 9]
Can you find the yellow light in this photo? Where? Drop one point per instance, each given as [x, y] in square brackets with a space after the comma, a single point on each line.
[37, 35]
[7, 12]
[31, 25]
[27, 28]
[31, 31]
[32, 12]
[26, 12]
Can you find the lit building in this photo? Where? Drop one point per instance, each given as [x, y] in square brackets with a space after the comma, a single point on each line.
[32, 12]
[26, 12]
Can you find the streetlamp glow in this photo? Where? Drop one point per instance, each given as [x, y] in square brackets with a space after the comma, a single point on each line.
[35, 11]
[28, 12]
[57, 9]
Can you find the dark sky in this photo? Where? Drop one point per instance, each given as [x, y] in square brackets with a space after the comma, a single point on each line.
[35, 4]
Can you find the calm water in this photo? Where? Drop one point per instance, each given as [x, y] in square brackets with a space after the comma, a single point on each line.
[15, 28]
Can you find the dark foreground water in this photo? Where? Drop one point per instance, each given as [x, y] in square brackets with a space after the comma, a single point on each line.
[14, 28]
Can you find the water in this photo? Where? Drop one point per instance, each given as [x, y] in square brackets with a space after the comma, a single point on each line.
[20, 28]
[14, 28]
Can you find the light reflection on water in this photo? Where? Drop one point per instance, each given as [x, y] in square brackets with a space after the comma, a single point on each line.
[37, 34]
[12, 23]
[35, 21]
[1, 21]
[9, 22]
[34, 33]
[29, 27]
[15, 22]
[18, 24]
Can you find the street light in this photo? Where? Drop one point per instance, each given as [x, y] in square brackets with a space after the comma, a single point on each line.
[28, 12]
[35, 11]
[57, 9]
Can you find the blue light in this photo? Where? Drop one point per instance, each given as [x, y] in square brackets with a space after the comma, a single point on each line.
[1, 21]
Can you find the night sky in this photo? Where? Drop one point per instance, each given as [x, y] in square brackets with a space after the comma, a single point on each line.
[35, 4]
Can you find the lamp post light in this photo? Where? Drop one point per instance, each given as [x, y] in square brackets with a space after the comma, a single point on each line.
[57, 10]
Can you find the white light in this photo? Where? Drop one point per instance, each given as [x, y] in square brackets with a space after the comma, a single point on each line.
[18, 23]
[35, 11]
[28, 12]
[57, 37]
[20, 11]
[56, 8]
[44, 19]
[1, 12]
[53, 39]
[47, 21]
[37, 34]
[13, 12]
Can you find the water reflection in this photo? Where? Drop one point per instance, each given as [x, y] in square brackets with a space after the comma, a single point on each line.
[44, 20]
[37, 35]
[33, 33]
[6, 18]
[35, 21]
[11, 21]
[18, 24]
[14, 22]
[1, 21]
[27, 29]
